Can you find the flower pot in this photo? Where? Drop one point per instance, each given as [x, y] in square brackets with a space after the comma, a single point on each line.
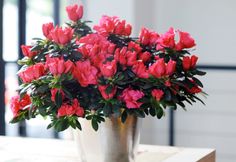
[113, 142]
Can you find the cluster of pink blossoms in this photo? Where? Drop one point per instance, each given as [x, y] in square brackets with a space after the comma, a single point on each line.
[103, 58]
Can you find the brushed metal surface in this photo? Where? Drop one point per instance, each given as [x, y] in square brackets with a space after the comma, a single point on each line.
[113, 142]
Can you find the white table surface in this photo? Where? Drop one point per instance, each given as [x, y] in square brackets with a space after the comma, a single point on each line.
[15, 149]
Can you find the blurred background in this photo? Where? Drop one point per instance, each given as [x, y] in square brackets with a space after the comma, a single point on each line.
[211, 22]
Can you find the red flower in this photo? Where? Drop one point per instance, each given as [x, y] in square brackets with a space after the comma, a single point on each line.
[125, 57]
[147, 37]
[102, 89]
[16, 104]
[62, 36]
[96, 48]
[145, 56]
[185, 41]
[134, 47]
[131, 58]
[113, 25]
[59, 66]
[170, 67]
[109, 68]
[79, 111]
[195, 89]
[85, 73]
[74, 12]
[47, 28]
[166, 40]
[160, 69]
[68, 110]
[27, 52]
[54, 92]
[157, 94]
[140, 70]
[131, 97]
[167, 83]
[120, 55]
[32, 72]
[189, 63]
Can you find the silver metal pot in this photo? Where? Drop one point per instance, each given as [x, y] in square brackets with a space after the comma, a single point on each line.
[113, 142]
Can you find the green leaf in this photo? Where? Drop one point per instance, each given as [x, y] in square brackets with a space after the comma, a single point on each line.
[24, 90]
[198, 72]
[124, 116]
[50, 125]
[168, 96]
[78, 125]
[130, 73]
[58, 99]
[152, 111]
[36, 47]
[89, 117]
[182, 105]
[67, 93]
[101, 119]
[140, 113]
[107, 110]
[146, 111]
[61, 125]
[95, 124]
[198, 82]
[109, 89]
[160, 112]
[42, 110]
[198, 99]
[42, 89]
[31, 111]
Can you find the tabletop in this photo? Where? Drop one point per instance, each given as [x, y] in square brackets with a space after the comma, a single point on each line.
[16, 149]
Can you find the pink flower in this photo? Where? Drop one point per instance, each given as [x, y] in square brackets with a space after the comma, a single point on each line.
[195, 89]
[170, 67]
[54, 92]
[157, 94]
[85, 73]
[167, 83]
[160, 69]
[166, 40]
[16, 104]
[59, 66]
[132, 46]
[131, 97]
[120, 55]
[185, 41]
[140, 70]
[131, 58]
[189, 63]
[32, 72]
[26, 50]
[47, 28]
[96, 48]
[125, 57]
[74, 12]
[147, 37]
[109, 68]
[68, 110]
[113, 25]
[62, 36]
[102, 89]
[145, 56]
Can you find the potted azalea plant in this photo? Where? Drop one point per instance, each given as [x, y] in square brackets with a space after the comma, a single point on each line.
[107, 78]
